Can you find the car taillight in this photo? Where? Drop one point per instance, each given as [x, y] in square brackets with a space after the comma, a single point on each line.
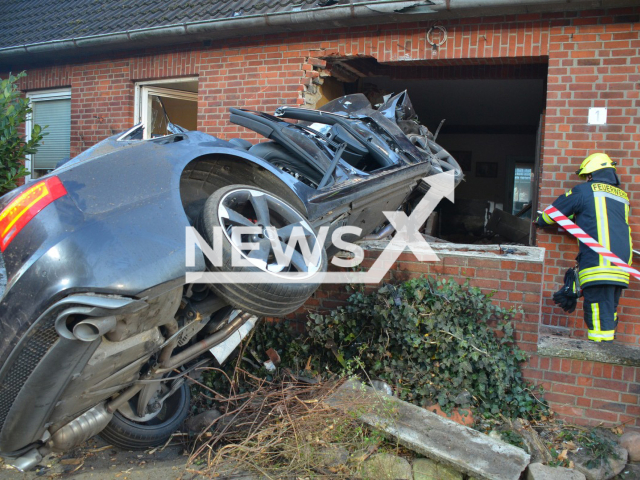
[26, 206]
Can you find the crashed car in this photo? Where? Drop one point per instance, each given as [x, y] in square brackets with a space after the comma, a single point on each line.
[99, 328]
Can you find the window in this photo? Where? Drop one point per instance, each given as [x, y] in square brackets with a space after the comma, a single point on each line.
[163, 101]
[51, 109]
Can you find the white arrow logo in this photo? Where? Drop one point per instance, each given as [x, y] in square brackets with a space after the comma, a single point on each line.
[407, 236]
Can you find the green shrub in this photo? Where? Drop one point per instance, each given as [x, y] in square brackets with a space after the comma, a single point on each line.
[14, 146]
[432, 341]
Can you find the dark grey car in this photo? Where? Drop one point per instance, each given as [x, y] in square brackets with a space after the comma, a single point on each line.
[97, 315]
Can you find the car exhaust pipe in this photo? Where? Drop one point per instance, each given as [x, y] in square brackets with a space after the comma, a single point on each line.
[384, 232]
[93, 328]
[80, 429]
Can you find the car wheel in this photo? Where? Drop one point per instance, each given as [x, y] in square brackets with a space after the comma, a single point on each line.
[270, 217]
[131, 432]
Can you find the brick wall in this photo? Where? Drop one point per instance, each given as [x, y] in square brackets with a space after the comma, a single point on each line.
[266, 72]
[593, 59]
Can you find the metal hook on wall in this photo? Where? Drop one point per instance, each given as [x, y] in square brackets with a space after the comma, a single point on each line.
[443, 38]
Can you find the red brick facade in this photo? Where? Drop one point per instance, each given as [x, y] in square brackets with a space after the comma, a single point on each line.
[593, 59]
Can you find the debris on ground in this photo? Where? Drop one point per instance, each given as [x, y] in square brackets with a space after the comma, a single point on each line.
[631, 442]
[202, 421]
[534, 444]
[538, 471]
[385, 466]
[463, 448]
[605, 469]
[284, 428]
[427, 469]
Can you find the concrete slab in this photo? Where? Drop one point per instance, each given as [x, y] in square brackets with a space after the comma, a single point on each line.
[564, 347]
[443, 440]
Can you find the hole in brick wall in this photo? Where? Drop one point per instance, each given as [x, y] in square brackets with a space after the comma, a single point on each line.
[492, 119]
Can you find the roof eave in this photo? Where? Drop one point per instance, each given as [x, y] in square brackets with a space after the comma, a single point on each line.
[372, 12]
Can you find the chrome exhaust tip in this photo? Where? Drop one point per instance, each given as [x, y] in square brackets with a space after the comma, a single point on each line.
[93, 328]
[27, 461]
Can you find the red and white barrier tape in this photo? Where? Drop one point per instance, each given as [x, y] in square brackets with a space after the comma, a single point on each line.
[581, 235]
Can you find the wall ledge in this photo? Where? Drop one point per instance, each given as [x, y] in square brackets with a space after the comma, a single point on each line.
[502, 252]
[577, 349]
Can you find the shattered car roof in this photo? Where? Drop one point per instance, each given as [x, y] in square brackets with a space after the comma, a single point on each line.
[35, 21]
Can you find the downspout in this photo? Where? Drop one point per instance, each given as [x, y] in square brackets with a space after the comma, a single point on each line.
[320, 17]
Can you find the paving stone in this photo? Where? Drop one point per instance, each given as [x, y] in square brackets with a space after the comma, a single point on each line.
[631, 442]
[384, 466]
[538, 471]
[427, 469]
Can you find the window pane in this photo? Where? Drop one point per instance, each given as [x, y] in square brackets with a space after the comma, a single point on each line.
[522, 186]
[56, 115]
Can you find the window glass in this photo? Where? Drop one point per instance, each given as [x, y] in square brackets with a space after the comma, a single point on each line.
[56, 116]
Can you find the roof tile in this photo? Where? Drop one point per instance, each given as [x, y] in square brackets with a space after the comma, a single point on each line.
[24, 22]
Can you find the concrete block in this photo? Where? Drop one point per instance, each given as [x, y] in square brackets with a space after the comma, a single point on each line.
[440, 439]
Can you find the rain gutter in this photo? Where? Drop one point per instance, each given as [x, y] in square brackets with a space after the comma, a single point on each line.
[381, 11]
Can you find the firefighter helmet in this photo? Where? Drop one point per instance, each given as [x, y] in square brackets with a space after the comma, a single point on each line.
[593, 162]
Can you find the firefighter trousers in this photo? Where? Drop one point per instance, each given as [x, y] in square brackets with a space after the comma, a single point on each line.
[600, 311]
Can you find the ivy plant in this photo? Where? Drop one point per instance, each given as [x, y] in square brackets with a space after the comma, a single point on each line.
[14, 146]
[433, 341]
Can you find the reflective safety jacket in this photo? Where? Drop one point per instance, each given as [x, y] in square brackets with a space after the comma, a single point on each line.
[601, 209]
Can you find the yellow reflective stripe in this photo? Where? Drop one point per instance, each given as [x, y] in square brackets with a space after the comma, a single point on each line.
[603, 230]
[597, 273]
[607, 270]
[599, 225]
[595, 317]
[547, 218]
[601, 336]
[586, 278]
[612, 269]
[601, 278]
[605, 223]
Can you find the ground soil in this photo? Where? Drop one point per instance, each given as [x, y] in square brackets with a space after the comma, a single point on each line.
[96, 460]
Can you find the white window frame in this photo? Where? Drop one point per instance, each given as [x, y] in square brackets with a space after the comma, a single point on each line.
[142, 107]
[41, 96]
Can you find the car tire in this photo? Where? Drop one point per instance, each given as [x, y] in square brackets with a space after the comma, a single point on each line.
[128, 434]
[261, 299]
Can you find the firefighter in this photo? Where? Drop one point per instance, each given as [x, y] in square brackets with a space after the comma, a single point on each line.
[601, 209]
